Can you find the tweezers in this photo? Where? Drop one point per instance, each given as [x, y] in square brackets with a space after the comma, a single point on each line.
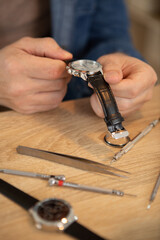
[72, 161]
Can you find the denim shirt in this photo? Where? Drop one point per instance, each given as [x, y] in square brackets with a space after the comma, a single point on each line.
[89, 29]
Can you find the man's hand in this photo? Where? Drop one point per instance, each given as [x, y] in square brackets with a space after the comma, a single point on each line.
[33, 76]
[130, 79]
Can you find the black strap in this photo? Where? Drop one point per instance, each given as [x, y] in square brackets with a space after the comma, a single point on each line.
[82, 233]
[16, 195]
[112, 115]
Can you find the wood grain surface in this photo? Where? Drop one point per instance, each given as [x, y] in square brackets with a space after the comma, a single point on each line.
[74, 129]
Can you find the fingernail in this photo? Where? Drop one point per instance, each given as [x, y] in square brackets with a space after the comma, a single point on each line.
[112, 76]
[67, 54]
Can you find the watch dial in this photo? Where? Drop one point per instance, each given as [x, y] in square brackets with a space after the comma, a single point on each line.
[86, 65]
[53, 210]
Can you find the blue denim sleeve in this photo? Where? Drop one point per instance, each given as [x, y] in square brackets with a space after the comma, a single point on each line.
[90, 29]
[109, 30]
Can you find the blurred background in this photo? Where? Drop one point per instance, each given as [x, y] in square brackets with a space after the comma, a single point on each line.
[145, 29]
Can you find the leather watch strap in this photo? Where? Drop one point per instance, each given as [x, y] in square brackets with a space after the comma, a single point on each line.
[16, 195]
[82, 233]
[107, 100]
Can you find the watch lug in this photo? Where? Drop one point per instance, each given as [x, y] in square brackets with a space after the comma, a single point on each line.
[83, 76]
[72, 72]
[38, 226]
[76, 74]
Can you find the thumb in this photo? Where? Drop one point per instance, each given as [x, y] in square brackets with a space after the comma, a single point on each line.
[112, 73]
[112, 70]
[43, 47]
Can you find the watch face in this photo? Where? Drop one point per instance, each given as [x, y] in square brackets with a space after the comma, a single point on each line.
[86, 65]
[53, 210]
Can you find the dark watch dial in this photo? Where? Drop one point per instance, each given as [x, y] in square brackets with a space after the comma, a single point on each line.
[53, 210]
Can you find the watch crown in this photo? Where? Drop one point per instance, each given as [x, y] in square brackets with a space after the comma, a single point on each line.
[69, 70]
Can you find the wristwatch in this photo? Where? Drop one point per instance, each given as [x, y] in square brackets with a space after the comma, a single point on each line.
[49, 214]
[91, 71]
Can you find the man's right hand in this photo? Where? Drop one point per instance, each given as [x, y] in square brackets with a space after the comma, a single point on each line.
[33, 76]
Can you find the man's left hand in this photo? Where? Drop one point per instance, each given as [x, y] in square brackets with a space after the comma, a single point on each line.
[130, 79]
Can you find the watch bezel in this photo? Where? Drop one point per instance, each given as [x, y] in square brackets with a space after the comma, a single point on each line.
[48, 225]
[83, 73]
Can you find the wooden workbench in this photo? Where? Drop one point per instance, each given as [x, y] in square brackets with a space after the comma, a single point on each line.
[74, 129]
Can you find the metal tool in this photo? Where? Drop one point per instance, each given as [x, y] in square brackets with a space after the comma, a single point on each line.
[53, 181]
[72, 161]
[154, 192]
[59, 180]
[34, 175]
[131, 144]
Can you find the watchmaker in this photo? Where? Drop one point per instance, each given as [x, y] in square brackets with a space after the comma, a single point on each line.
[33, 76]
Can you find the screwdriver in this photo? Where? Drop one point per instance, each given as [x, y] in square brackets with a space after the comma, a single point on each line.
[53, 181]
[30, 174]
[131, 144]
[154, 192]
[59, 180]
